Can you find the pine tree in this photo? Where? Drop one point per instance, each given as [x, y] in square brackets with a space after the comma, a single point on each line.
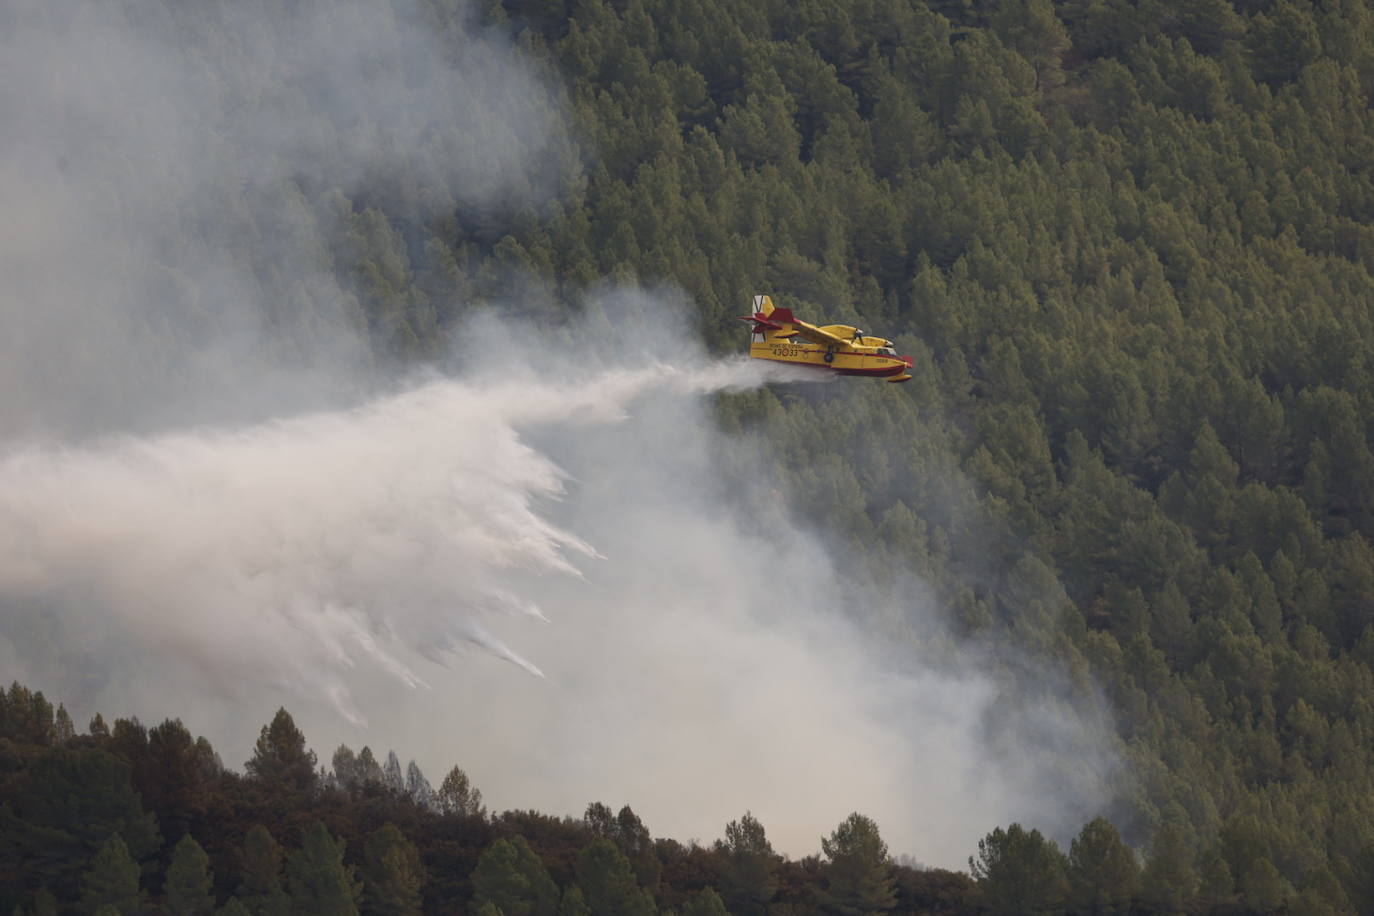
[417, 787]
[573, 903]
[367, 771]
[706, 903]
[260, 888]
[392, 875]
[317, 880]
[1263, 888]
[1103, 872]
[112, 880]
[860, 876]
[511, 876]
[63, 729]
[1020, 872]
[633, 839]
[748, 870]
[281, 758]
[391, 774]
[344, 765]
[458, 797]
[1169, 881]
[74, 800]
[187, 886]
[608, 881]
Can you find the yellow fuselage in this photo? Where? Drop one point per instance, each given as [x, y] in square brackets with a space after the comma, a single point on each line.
[781, 336]
[862, 358]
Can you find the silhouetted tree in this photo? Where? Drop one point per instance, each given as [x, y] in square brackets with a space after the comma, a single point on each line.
[280, 757]
[860, 876]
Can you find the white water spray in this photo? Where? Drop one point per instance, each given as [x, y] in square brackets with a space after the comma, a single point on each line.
[295, 549]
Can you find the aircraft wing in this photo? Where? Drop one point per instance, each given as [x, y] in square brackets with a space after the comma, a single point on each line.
[816, 335]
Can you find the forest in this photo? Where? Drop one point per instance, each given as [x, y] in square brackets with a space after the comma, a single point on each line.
[1130, 244]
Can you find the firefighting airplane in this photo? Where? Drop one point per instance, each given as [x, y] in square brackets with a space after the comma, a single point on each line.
[779, 335]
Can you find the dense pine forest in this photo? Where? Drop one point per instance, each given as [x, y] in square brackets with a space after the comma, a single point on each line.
[1130, 244]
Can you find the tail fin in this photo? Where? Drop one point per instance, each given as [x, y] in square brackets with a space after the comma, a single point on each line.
[766, 317]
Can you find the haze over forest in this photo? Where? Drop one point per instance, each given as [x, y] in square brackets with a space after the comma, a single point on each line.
[353, 352]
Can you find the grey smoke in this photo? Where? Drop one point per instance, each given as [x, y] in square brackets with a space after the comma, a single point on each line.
[175, 183]
[213, 501]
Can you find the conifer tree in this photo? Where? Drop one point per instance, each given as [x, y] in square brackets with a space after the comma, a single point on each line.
[63, 729]
[392, 777]
[458, 796]
[573, 903]
[1169, 881]
[318, 882]
[1263, 888]
[511, 876]
[1019, 871]
[187, 887]
[706, 902]
[1103, 872]
[860, 876]
[260, 887]
[280, 757]
[367, 771]
[608, 882]
[111, 880]
[748, 872]
[417, 786]
[392, 875]
[74, 800]
[344, 766]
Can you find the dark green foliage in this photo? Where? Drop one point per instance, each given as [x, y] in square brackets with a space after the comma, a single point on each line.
[176, 775]
[573, 903]
[706, 903]
[1263, 888]
[112, 880]
[317, 880]
[748, 874]
[186, 890]
[280, 758]
[1103, 873]
[859, 879]
[260, 888]
[72, 802]
[26, 717]
[1170, 880]
[511, 876]
[1020, 871]
[608, 882]
[458, 796]
[392, 874]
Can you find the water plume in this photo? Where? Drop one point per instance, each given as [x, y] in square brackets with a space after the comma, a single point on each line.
[309, 543]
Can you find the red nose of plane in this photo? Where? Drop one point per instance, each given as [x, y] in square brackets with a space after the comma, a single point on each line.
[907, 360]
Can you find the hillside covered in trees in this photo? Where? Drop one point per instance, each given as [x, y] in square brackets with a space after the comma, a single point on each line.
[1130, 244]
[128, 819]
